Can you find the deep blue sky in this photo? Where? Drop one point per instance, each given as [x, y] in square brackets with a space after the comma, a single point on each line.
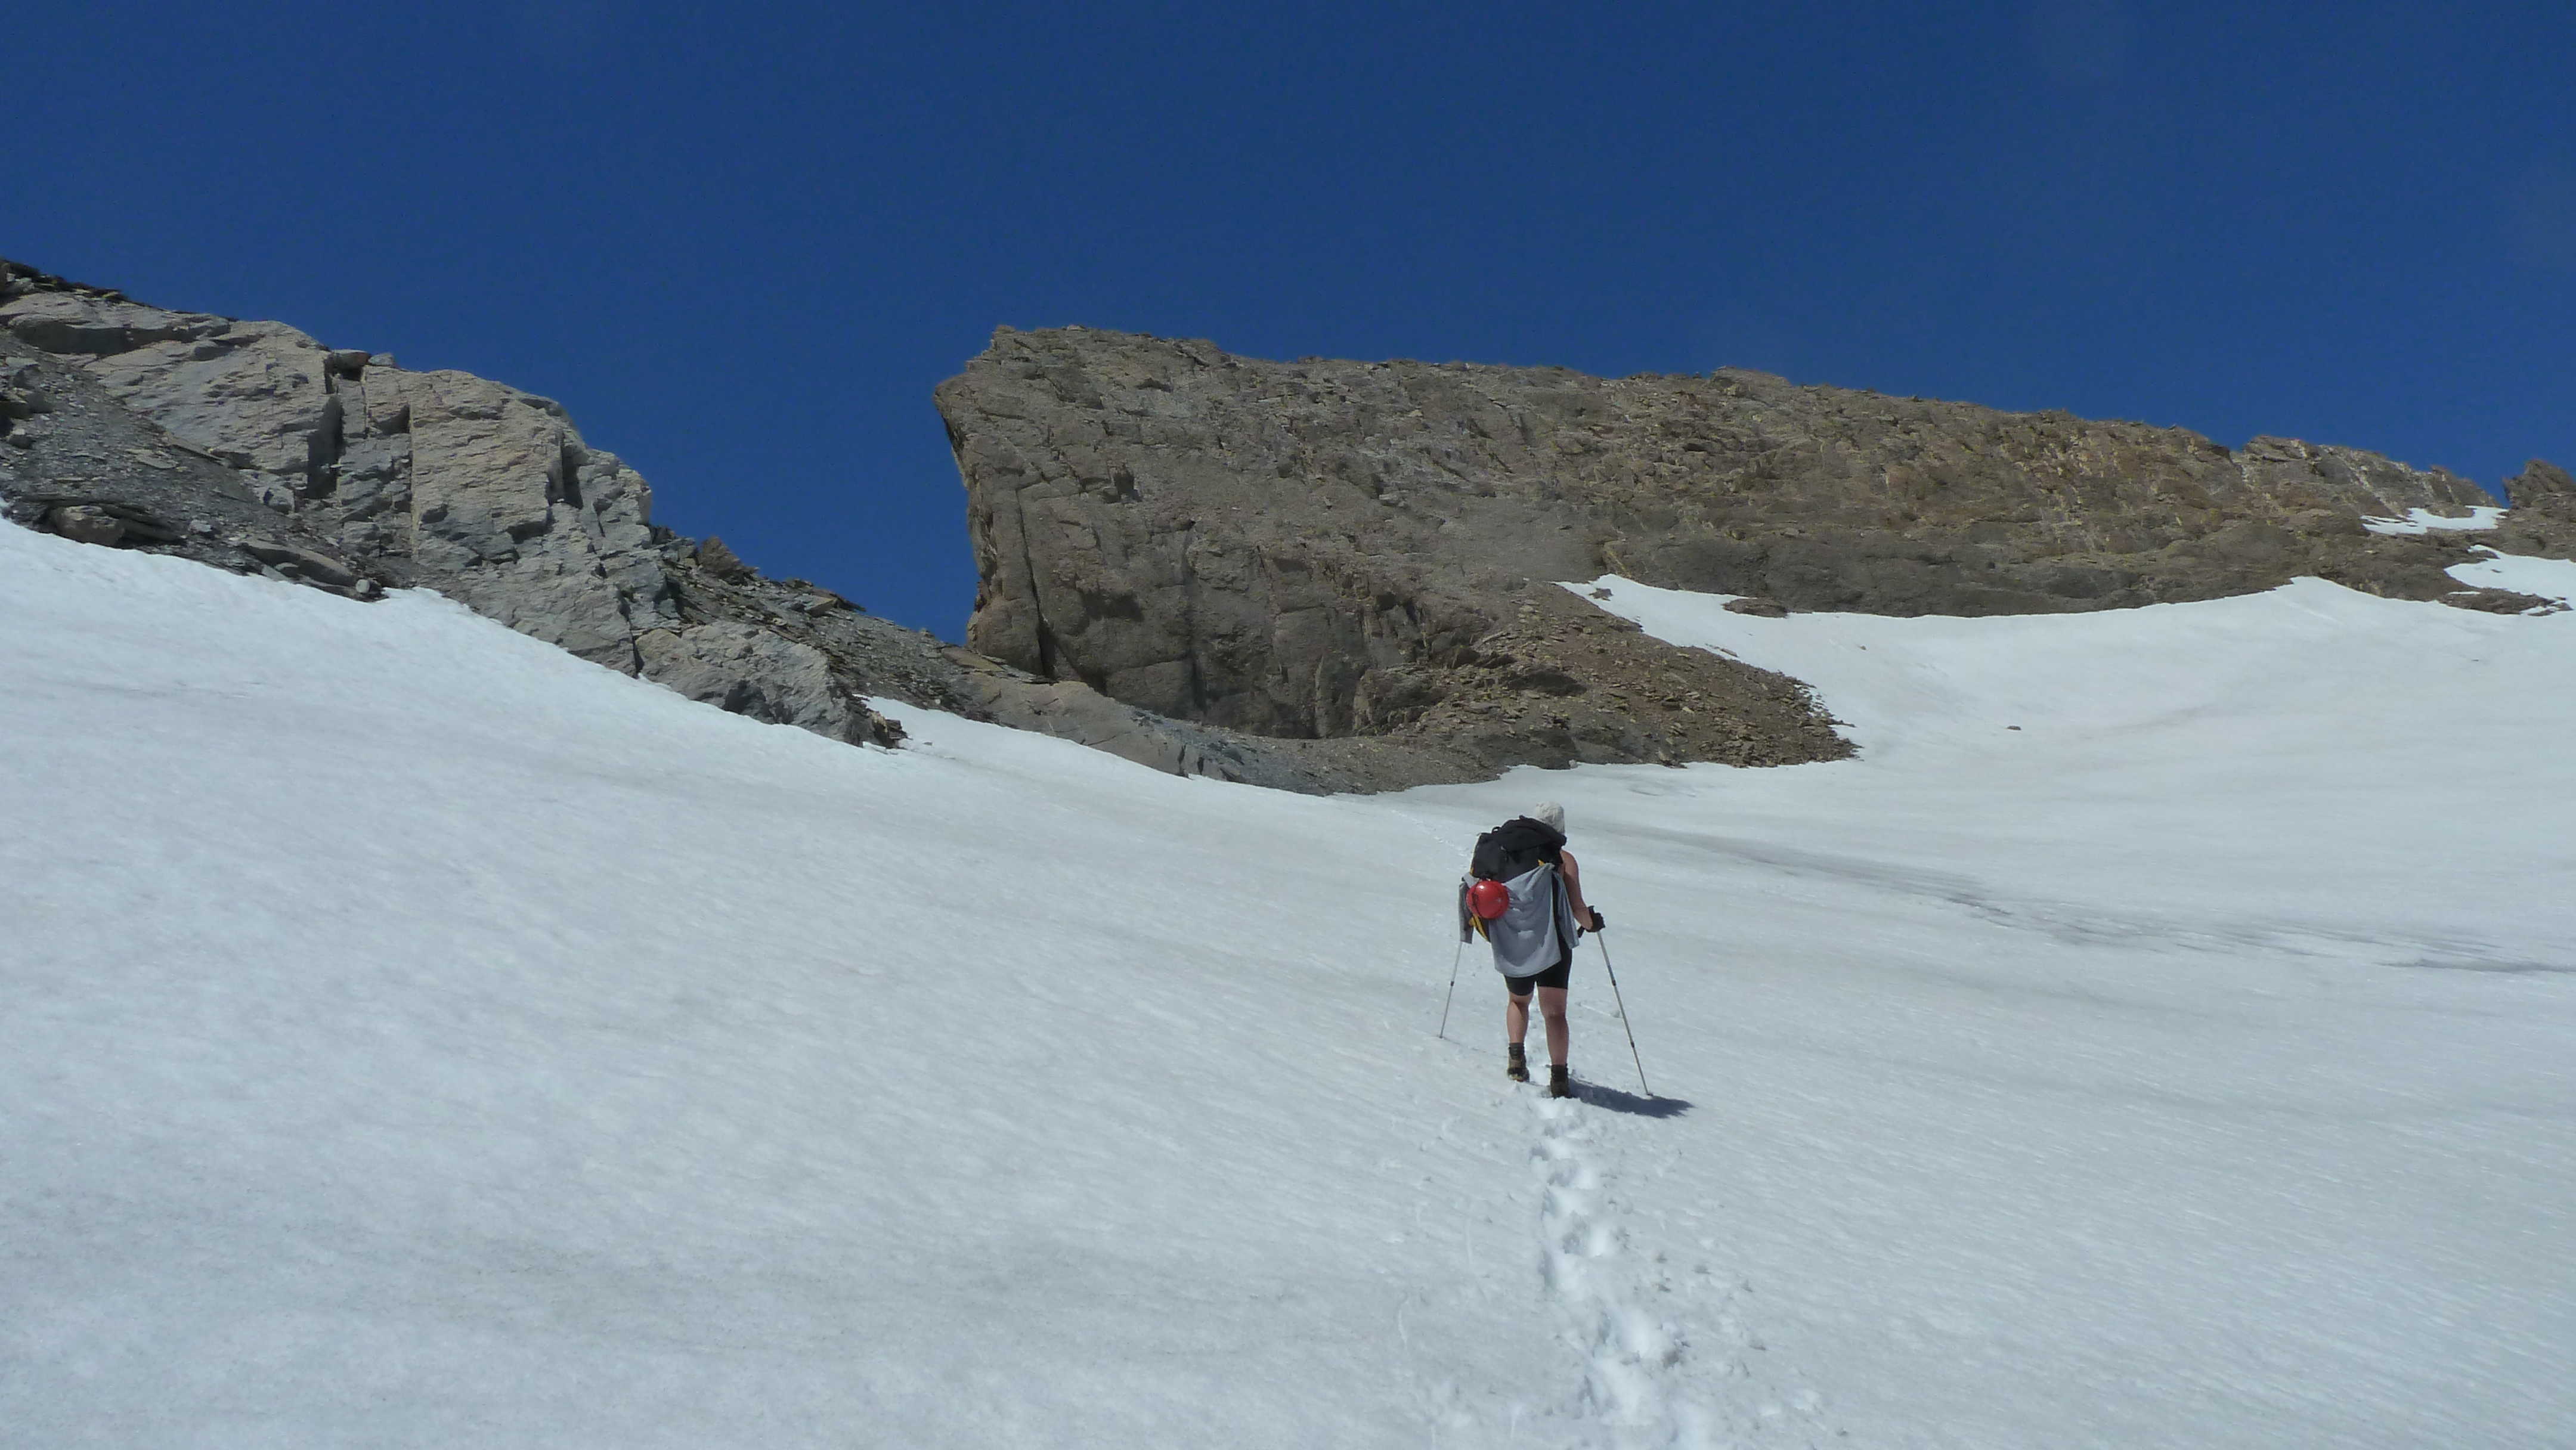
[742, 243]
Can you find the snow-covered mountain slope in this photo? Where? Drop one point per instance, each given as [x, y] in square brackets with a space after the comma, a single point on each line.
[414, 1035]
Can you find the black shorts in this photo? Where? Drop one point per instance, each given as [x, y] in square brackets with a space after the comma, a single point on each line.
[1552, 977]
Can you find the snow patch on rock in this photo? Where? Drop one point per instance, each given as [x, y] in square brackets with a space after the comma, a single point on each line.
[2419, 521]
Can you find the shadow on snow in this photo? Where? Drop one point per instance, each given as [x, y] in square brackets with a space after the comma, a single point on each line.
[1625, 1102]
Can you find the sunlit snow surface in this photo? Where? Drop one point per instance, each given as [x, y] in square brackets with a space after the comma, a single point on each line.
[415, 1036]
[2552, 579]
[2425, 521]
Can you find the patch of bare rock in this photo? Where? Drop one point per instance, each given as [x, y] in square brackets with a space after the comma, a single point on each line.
[1357, 560]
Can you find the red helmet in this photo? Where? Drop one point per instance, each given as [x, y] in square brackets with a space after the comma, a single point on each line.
[1489, 899]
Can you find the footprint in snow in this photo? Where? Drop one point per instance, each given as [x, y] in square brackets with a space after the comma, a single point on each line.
[1664, 1363]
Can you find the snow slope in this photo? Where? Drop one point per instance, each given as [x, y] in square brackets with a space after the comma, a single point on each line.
[414, 1035]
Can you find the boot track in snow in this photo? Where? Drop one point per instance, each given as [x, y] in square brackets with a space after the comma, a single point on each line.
[1666, 1358]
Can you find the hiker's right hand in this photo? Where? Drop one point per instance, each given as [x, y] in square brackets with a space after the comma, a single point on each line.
[1599, 923]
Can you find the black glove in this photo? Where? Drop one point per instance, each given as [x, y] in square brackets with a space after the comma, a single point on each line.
[1599, 922]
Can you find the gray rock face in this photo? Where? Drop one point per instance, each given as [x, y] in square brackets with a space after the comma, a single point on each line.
[1321, 549]
[752, 671]
[340, 470]
[250, 446]
[485, 489]
[87, 467]
[534, 528]
[56, 317]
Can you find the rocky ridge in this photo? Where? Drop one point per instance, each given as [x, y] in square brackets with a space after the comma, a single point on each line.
[1315, 576]
[251, 446]
[1329, 551]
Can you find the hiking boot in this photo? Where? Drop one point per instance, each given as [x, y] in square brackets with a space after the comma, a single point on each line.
[1515, 1066]
[1560, 1082]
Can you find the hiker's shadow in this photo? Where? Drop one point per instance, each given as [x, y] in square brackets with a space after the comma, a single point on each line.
[1618, 1102]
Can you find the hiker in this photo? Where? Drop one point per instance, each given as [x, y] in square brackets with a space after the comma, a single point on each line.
[1532, 922]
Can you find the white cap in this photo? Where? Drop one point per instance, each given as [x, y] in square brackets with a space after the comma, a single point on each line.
[1550, 814]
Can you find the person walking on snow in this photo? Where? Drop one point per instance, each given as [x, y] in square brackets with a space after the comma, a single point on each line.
[1533, 937]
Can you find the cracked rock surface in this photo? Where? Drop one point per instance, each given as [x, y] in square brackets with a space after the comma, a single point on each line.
[1328, 552]
[253, 447]
[249, 445]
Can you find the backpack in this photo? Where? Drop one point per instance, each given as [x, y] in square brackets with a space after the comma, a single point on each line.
[1502, 854]
[1514, 847]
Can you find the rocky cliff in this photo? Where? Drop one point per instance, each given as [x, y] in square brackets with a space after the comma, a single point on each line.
[254, 447]
[1348, 550]
[1317, 576]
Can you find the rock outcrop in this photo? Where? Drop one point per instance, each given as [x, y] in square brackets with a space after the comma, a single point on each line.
[253, 447]
[1317, 576]
[76, 461]
[1345, 550]
[2543, 517]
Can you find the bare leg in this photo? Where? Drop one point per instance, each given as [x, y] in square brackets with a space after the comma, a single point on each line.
[1516, 1018]
[1551, 1005]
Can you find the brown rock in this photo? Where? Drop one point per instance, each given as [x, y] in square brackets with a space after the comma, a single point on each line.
[1324, 550]
[86, 524]
[722, 562]
[2502, 601]
[299, 564]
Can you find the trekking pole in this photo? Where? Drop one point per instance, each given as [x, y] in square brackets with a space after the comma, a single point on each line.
[1454, 958]
[1623, 1013]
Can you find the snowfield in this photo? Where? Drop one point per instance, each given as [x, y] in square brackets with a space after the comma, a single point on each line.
[2163, 1034]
